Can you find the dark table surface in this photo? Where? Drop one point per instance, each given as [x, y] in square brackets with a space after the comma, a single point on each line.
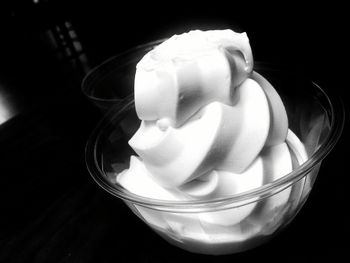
[52, 210]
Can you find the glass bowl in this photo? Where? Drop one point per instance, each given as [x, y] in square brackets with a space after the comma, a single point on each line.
[315, 120]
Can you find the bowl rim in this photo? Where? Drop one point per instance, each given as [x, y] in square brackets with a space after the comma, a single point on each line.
[93, 75]
[337, 120]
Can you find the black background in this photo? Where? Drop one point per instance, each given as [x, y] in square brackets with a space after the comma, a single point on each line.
[52, 211]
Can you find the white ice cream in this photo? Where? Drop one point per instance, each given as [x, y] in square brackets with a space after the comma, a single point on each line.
[211, 126]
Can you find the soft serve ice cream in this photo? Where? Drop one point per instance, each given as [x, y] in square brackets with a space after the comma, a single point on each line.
[211, 127]
[204, 111]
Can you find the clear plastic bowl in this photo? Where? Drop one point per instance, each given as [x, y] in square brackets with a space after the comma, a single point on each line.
[315, 118]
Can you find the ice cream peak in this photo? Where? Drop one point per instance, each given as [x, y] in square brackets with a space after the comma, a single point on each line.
[188, 71]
